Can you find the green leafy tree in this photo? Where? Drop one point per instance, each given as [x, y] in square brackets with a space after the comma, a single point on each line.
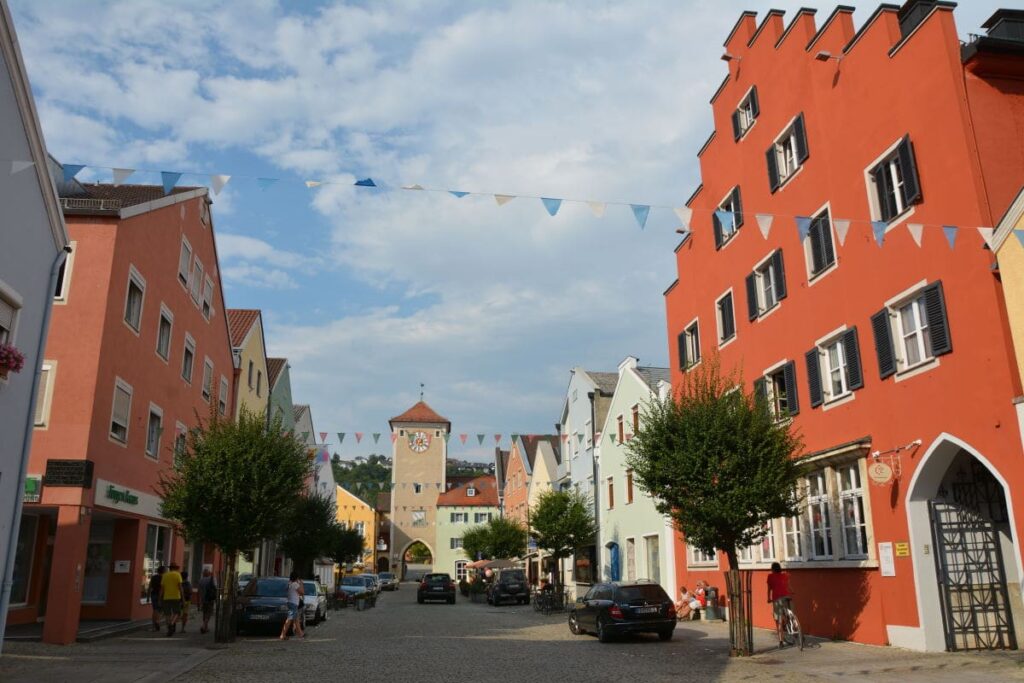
[307, 532]
[372, 475]
[716, 460]
[344, 545]
[419, 553]
[234, 484]
[500, 537]
[562, 522]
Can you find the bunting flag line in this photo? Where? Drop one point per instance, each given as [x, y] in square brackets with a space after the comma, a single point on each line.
[376, 437]
[19, 166]
[71, 170]
[417, 186]
[501, 199]
[986, 234]
[359, 437]
[122, 174]
[497, 438]
[313, 183]
[640, 213]
[597, 208]
[724, 217]
[323, 437]
[480, 438]
[217, 182]
[803, 226]
[579, 438]
[341, 437]
[365, 182]
[169, 180]
[394, 437]
[305, 436]
[552, 205]
[685, 214]
[764, 223]
[878, 227]
[916, 231]
[951, 232]
[265, 183]
[463, 437]
[458, 194]
[842, 227]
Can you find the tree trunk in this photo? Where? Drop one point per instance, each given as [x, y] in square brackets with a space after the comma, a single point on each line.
[741, 628]
[224, 628]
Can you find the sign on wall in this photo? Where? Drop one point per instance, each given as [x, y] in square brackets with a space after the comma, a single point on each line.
[885, 559]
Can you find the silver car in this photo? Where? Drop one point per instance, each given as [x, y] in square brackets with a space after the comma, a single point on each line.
[315, 602]
[376, 582]
[388, 581]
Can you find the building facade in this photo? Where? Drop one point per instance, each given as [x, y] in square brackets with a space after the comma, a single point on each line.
[466, 504]
[820, 262]
[281, 407]
[543, 477]
[251, 377]
[34, 239]
[516, 492]
[355, 513]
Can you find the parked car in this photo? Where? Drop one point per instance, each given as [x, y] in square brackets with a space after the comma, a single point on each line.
[376, 582]
[243, 581]
[263, 604]
[314, 602]
[612, 609]
[509, 585]
[359, 589]
[388, 581]
[436, 587]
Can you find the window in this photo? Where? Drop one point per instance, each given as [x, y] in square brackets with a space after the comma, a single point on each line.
[252, 367]
[745, 554]
[819, 247]
[188, 358]
[778, 390]
[60, 290]
[819, 516]
[728, 218]
[912, 331]
[180, 435]
[207, 298]
[419, 518]
[689, 346]
[154, 430]
[197, 279]
[698, 556]
[636, 418]
[360, 528]
[794, 538]
[204, 212]
[766, 548]
[851, 501]
[222, 398]
[766, 286]
[893, 182]
[460, 570]
[588, 429]
[611, 493]
[481, 517]
[652, 544]
[184, 262]
[157, 552]
[621, 429]
[44, 394]
[459, 517]
[417, 488]
[470, 492]
[834, 368]
[456, 543]
[133, 299]
[787, 154]
[163, 333]
[726, 318]
[8, 317]
[259, 382]
[119, 416]
[746, 113]
[629, 486]
[207, 380]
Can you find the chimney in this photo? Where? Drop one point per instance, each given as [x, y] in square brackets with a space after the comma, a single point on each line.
[913, 13]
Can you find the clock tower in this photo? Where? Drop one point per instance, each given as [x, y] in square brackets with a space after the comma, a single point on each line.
[419, 463]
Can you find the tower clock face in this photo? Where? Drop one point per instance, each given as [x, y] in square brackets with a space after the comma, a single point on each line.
[419, 441]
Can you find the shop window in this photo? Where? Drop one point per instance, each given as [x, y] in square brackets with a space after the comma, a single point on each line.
[23, 557]
[156, 553]
[794, 539]
[96, 575]
[851, 500]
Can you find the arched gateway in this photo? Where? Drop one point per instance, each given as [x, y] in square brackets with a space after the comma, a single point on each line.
[417, 560]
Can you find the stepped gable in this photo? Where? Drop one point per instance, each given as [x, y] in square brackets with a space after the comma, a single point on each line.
[486, 487]
[421, 412]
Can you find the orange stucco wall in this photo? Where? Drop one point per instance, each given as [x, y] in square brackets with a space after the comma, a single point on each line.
[517, 486]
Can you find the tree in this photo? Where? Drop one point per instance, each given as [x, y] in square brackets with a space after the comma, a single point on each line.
[500, 537]
[307, 533]
[372, 475]
[344, 545]
[716, 460]
[562, 522]
[233, 485]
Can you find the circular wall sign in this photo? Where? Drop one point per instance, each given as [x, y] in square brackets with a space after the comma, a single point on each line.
[880, 473]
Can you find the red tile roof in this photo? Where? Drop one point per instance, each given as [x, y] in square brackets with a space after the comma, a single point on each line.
[420, 412]
[486, 487]
[274, 368]
[240, 320]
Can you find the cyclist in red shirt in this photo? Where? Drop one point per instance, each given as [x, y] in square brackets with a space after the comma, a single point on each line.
[779, 596]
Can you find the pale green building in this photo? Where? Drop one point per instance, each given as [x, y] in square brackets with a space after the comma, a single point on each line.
[468, 502]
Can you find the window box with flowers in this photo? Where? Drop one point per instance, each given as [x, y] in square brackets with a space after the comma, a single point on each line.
[11, 360]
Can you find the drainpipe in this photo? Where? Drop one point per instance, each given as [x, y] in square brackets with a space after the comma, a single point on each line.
[597, 486]
[12, 546]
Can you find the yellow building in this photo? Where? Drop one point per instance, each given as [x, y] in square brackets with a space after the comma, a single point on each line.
[1008, 245]
[356, 513]
[252, 380]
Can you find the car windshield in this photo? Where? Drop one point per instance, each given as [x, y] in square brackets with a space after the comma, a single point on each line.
[269, 588]
[651, 593]
[353, 581]
[514, 576]
[309, 587]
[387, 575]
[437, 578]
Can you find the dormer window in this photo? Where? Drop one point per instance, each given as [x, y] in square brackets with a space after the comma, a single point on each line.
[746, 113]
[471, 492]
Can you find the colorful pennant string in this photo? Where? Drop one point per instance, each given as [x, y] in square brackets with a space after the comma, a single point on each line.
[951, 231]
[878, 227]
[552, 205]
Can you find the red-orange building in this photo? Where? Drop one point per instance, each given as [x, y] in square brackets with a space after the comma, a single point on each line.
[891, 360]
[515, 501]
[138, 349]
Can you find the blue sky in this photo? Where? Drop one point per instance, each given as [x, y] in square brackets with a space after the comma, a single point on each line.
[371, 293]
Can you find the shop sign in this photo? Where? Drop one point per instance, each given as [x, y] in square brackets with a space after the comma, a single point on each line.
[121, 495]
[880, 473]
[122, 566]
[902, 549]
[33, 489]
[110, 494]
[68, 473]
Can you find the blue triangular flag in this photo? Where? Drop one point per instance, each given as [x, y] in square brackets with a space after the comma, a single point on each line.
[951, 231]
[366, 182]
[71, 170]
[552, 205]
[1020, 236]
[264, 183]
[803, 226]
[640, 212]
[170, 179]
[725, 218]
[458, 194]
[878, 227]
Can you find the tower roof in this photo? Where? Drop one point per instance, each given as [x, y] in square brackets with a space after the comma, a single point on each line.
[420, 412]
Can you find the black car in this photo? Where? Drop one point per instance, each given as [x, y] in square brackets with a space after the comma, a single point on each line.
[436, 587]
[612, 609]
[509, 585]
[264, 604]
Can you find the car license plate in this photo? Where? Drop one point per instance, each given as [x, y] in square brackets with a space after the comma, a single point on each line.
[438, 588]
[646, 610]
[513, 586]
[260, 617]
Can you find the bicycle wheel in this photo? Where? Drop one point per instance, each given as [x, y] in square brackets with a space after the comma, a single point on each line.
[795, 635]
[538, 601]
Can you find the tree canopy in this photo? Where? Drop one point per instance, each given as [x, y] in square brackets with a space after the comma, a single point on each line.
[309, 531]
[562, 522]
[360, 477]
[501, 537]
[344, 545]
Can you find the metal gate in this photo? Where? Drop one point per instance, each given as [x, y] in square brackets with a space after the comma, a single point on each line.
[969, 561]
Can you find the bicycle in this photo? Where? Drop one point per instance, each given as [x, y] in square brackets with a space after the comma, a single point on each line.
[792, 634]
[547, 602]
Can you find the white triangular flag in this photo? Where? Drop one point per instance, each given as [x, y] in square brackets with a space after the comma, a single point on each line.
[218, 182]
[764, 222]
[121, 175]
[916, 230]
[503, 199]
[417, 186]
[986, 234]
[685, 215]
[313, 183]
[19, 166]
[842, 227]
[597, 208]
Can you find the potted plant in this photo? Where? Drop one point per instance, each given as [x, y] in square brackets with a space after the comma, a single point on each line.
[11, 360]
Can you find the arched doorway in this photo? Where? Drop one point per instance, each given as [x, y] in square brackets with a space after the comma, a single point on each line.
[966, 559]
[382, 564]
[417, 560]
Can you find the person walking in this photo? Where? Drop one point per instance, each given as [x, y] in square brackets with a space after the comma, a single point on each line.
[207, 598]
[295, 595]
[154, 595]
[170, 597]
[186, 599]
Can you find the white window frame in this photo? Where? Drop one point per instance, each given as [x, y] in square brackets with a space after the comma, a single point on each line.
[719, 323]
[455, 543]
[905, 370]
[459, 518]
[698, 558]
[419, 518]
[692, 345]
[813, 277]
[773, 554]
[120, 383]
[196, 278]
[860, 522]
[41, 419]
[417, 488]
[793, 529]
[765, 279]
[134, 276]
[829, 398]
[185, 277]
[746, 118]
[165, 312]
[189, 345]
[222, 397]
[610, 503]
[180, 432]
[874, 203]
[154, 409]
[460, 569]
[725, 204]
[61, 298]
[787, 162]
[822, 503]
[769, 390]
[13, 300]
[207, 304]
[207, 388]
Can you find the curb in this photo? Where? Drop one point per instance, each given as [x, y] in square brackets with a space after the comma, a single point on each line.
[181, 667]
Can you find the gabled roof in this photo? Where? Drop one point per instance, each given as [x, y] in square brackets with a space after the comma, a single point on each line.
[500, 466]
[605, 381]
[274, 368]
[240, 321]
[486, 490]
[531, 443]
[351, 493]
[652, 376]
[420, 412]
[115, 197]
[298, 410]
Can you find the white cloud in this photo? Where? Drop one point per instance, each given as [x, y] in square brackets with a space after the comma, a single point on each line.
[248, 275]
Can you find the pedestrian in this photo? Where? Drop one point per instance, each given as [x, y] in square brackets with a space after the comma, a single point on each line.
[207, 598]
[154, 595]
[295, 595]
[186, 599]
[170, 597]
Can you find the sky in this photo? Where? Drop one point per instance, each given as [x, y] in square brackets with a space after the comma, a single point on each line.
[370, 293]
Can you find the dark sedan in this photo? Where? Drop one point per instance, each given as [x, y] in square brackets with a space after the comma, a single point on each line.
[612, 609]
[263, 604]
[436, 587]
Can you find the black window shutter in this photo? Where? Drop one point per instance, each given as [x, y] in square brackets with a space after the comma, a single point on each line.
[780, 275]
[752, 297]
[938, 321]
[761, 391]
[695, 333]
[883, 186]
[883, 343]
[828, 249]
[854, 371]
[814, 377]
[682, 349]
[717, 225]
[737, 207]
[736, 132]
[908, 166]
[817, 248]
[755, 106]
[789, 375]
[728, 322]
[773, 168]
[800, 134]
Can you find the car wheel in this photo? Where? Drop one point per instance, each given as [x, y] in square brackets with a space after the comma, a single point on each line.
[419, 600]
[574, 625]
[666, 635]
[317, 618]
[451, 601]
[526, 600]
[603, 633]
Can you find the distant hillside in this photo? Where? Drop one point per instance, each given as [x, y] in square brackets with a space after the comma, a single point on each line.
[363, 476]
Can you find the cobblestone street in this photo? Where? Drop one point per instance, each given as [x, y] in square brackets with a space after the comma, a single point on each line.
[402, 641]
